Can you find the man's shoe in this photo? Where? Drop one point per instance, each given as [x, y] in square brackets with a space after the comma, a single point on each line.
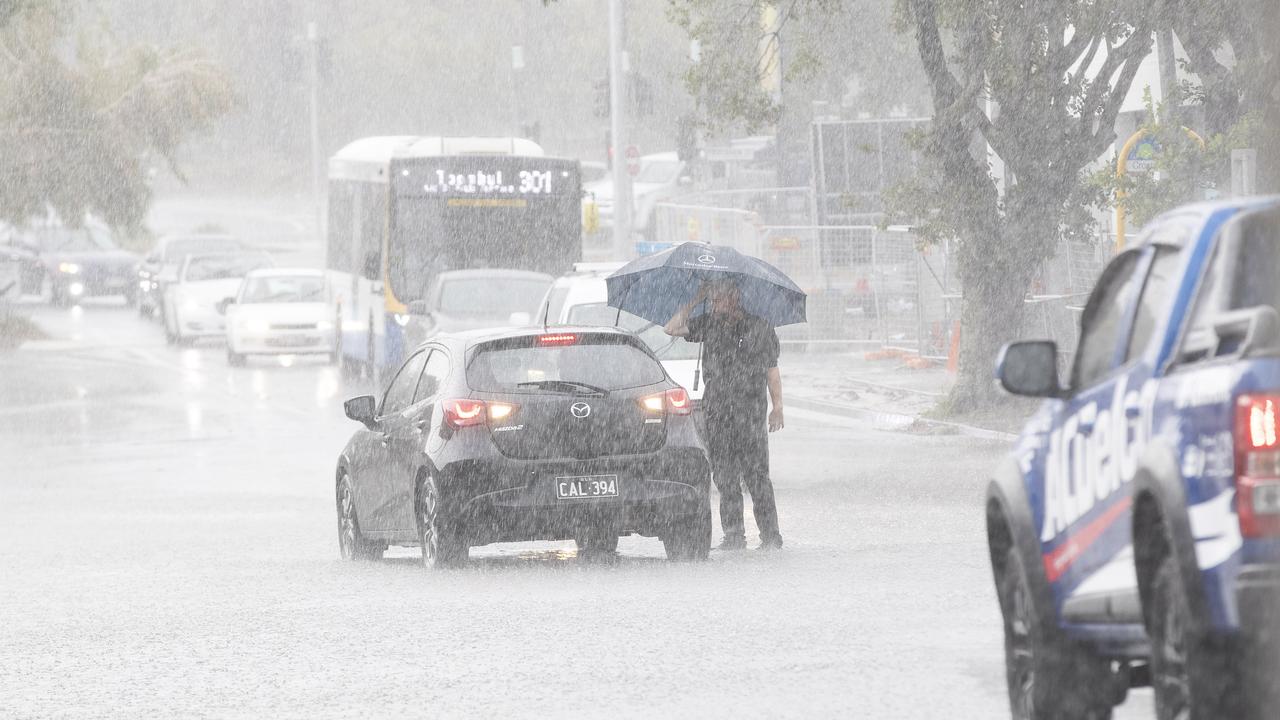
[773, 543]
[732, 543]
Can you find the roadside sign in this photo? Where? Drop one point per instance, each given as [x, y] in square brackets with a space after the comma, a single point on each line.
[1142, 158]
[633, 160]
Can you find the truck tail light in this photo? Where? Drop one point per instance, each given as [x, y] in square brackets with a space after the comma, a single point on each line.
[1258, 465]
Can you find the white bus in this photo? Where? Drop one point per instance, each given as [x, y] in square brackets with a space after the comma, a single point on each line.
[405, 208]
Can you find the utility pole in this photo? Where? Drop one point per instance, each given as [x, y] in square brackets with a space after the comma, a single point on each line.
[313, 80]
[617, 124]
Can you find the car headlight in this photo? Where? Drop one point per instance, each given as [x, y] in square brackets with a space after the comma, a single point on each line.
[69, 268]
[402, 319]
[324, 325]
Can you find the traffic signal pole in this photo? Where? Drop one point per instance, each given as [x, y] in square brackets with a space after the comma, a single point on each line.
[617, 125]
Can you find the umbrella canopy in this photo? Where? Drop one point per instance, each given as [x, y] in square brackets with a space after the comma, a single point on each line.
[655, 287]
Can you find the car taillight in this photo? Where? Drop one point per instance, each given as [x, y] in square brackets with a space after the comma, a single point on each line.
[675, 401]
[678, 402]
[465, 412]
[1258, 465]
[557, 339]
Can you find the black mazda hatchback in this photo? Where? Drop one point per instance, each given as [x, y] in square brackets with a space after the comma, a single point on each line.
[516, 435]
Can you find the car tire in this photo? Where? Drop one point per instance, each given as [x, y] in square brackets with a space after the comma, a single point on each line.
[352, 546]
[1048, 676]
[1191, 676]
[596, 544]
[691, 539]
[437, 533]
[235, 359]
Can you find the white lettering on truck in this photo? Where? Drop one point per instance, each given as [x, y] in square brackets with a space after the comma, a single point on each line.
[1093, 453]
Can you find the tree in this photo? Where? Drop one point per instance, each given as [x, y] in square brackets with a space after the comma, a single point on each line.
[1055, 76]
[81, 121]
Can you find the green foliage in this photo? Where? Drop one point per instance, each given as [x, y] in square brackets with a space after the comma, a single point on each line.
[81, 121]
[840, 51]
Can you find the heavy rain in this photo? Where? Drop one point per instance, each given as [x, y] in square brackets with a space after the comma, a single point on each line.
[640, 358]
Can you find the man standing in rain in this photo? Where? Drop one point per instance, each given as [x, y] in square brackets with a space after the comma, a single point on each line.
[740, 357]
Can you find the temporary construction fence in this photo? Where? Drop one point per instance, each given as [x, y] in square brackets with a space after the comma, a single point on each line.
[875, 288]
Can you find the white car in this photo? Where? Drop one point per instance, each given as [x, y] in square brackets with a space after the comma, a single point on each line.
[662, 177]
[579, 298]
[191, 302]
[280, 311]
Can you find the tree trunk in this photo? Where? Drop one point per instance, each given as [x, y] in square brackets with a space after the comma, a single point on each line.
[991, 316]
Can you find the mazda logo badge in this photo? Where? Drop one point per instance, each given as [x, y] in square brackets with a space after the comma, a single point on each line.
[707, 259]
[580, 409]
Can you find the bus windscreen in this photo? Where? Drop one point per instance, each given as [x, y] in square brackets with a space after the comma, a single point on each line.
[453, 213]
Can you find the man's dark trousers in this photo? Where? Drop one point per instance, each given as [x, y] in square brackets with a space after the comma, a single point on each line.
[740, 454]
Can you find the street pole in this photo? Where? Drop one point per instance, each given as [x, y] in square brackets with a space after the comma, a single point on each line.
[313, 42]
[617, 125]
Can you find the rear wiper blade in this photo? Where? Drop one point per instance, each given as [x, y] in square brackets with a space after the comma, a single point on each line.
[572, 386]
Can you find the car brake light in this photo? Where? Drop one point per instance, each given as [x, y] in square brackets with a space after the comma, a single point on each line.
[675, 401]
[463, 412]
[557, 339]
[1257, 465]
[678, 402]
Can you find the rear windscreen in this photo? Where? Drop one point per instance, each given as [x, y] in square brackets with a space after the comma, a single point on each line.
[609, 366]
[1257, 272]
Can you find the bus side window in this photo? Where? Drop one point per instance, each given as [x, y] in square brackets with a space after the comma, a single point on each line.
[338, 254]
[372, 225]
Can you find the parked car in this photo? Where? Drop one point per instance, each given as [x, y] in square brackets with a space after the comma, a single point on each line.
[161, 265]
[280, 311]
[579, 298]
[1134, 530]
[73, 262]
[474, 299]
[662, 176]
[514, 435]
[192, 304]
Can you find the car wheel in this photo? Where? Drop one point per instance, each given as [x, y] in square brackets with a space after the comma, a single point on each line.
[594, 544]
[351, 543]
[1190, 676]
[441, 546]
[1049, 677]
[690, 540]
[235, 359]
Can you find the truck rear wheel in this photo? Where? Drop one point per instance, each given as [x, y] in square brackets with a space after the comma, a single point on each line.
[1190, 673]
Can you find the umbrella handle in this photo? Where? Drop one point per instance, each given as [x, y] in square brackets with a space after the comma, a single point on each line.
[697, 369]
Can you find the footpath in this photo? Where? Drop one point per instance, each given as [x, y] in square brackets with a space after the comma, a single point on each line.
[888, 391]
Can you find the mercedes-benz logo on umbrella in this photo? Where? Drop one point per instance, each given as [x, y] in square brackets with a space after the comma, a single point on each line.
[580, 409]
[707, 259]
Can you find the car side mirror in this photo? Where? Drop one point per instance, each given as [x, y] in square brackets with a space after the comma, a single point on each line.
[520, 319]
[362, 409]
[1030, 368]
[224, 303]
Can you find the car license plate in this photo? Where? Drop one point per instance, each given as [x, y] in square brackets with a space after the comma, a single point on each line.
[586, 487]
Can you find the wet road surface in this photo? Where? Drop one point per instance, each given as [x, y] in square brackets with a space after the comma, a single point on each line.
[169, 549]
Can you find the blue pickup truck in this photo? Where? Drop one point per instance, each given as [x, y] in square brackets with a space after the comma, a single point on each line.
[1134, 529]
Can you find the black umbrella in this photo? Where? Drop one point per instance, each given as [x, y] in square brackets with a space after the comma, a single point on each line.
[656, 286]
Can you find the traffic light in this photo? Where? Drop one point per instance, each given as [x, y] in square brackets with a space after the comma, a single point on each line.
[686, 137]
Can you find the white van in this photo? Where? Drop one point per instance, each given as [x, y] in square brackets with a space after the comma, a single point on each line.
[579, 298]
